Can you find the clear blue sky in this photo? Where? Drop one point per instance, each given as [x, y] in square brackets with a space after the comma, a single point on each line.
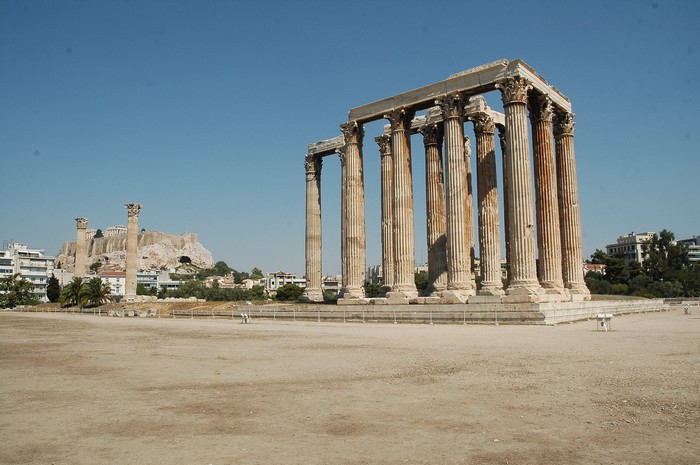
[202, 111]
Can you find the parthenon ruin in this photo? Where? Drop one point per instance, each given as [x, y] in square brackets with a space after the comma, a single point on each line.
[541, 227]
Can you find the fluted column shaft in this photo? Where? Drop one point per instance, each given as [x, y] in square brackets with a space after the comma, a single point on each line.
[459, 276]
[81, 247]
[435, 207]
[523, 266]
[506, 183]
[313, 291]
[547, 208]
[570, 215]
[354, 217]
[132, 240]
[487, 201]
[387, 188]
[469, 206]
[404, 234]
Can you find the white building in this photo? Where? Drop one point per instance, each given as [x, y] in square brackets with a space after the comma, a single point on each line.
[116, 281]
[150, 279]
[278, 279]
[629, 247]
[693, 248]
[31, 264]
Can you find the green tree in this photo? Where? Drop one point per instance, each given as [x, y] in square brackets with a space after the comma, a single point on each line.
[257, 292]
[96, 292]
[373, 289]
[191, 288]
[664, 257]
[256, 273]
[98, 234]
[141, 289]
[421, 280]
[73, 293]
[53, 289]
[14, 291]
[239, 276]
[95, 267]
[289, 292]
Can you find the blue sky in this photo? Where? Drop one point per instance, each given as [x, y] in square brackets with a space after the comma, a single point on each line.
[202, 111]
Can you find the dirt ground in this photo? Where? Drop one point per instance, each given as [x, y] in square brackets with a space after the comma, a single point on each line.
[82, 389]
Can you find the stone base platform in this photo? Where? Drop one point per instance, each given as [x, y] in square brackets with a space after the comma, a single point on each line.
[381, 311]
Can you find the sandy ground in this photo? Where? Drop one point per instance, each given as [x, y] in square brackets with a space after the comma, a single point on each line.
[80, 389]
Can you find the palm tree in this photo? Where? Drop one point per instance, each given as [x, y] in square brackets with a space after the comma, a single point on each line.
[96, 292]
[73, 293]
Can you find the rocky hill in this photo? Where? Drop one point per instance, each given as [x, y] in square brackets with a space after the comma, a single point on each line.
[156, 251]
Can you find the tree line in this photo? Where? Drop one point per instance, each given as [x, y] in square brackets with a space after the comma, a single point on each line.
[665, 271]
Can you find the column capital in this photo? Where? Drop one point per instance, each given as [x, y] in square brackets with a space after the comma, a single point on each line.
[133, 209]
[353, 132]
[514, 90]
[81, 223]
[312, 164]
[384, 143]
[483, 123]
[400, 118]
[541, 109]
[451, 105]
[563, 124]
[432, 134]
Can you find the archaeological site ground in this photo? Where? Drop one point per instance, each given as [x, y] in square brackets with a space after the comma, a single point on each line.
[82, 389]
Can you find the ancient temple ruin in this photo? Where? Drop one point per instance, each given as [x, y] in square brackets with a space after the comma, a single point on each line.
[541, 220]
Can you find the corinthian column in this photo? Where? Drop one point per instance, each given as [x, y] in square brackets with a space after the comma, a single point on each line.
[354, 213]
[387, 187]
[469, 207]
[487, 201]
[404, 236]
[569, 212]
[459, 275]
[435, 208]
[523, 285]
[506, 183]
[81, 247]
[132, 239]
[313, 291]
[548, 232]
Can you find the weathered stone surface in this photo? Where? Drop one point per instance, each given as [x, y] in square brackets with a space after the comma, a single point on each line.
[156, 250]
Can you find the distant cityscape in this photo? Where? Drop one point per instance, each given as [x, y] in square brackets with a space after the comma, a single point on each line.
[37, 268]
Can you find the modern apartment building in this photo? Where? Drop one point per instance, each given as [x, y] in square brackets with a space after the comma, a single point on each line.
[31, 264]
[693, 248]
[629, 247]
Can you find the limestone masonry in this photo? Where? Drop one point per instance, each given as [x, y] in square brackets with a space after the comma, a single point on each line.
[541, 218]
[156, 250]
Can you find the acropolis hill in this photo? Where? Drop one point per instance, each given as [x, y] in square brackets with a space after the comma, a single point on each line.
[156, 250]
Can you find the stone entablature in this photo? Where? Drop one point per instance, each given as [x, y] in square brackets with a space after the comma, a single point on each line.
[551, 202]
